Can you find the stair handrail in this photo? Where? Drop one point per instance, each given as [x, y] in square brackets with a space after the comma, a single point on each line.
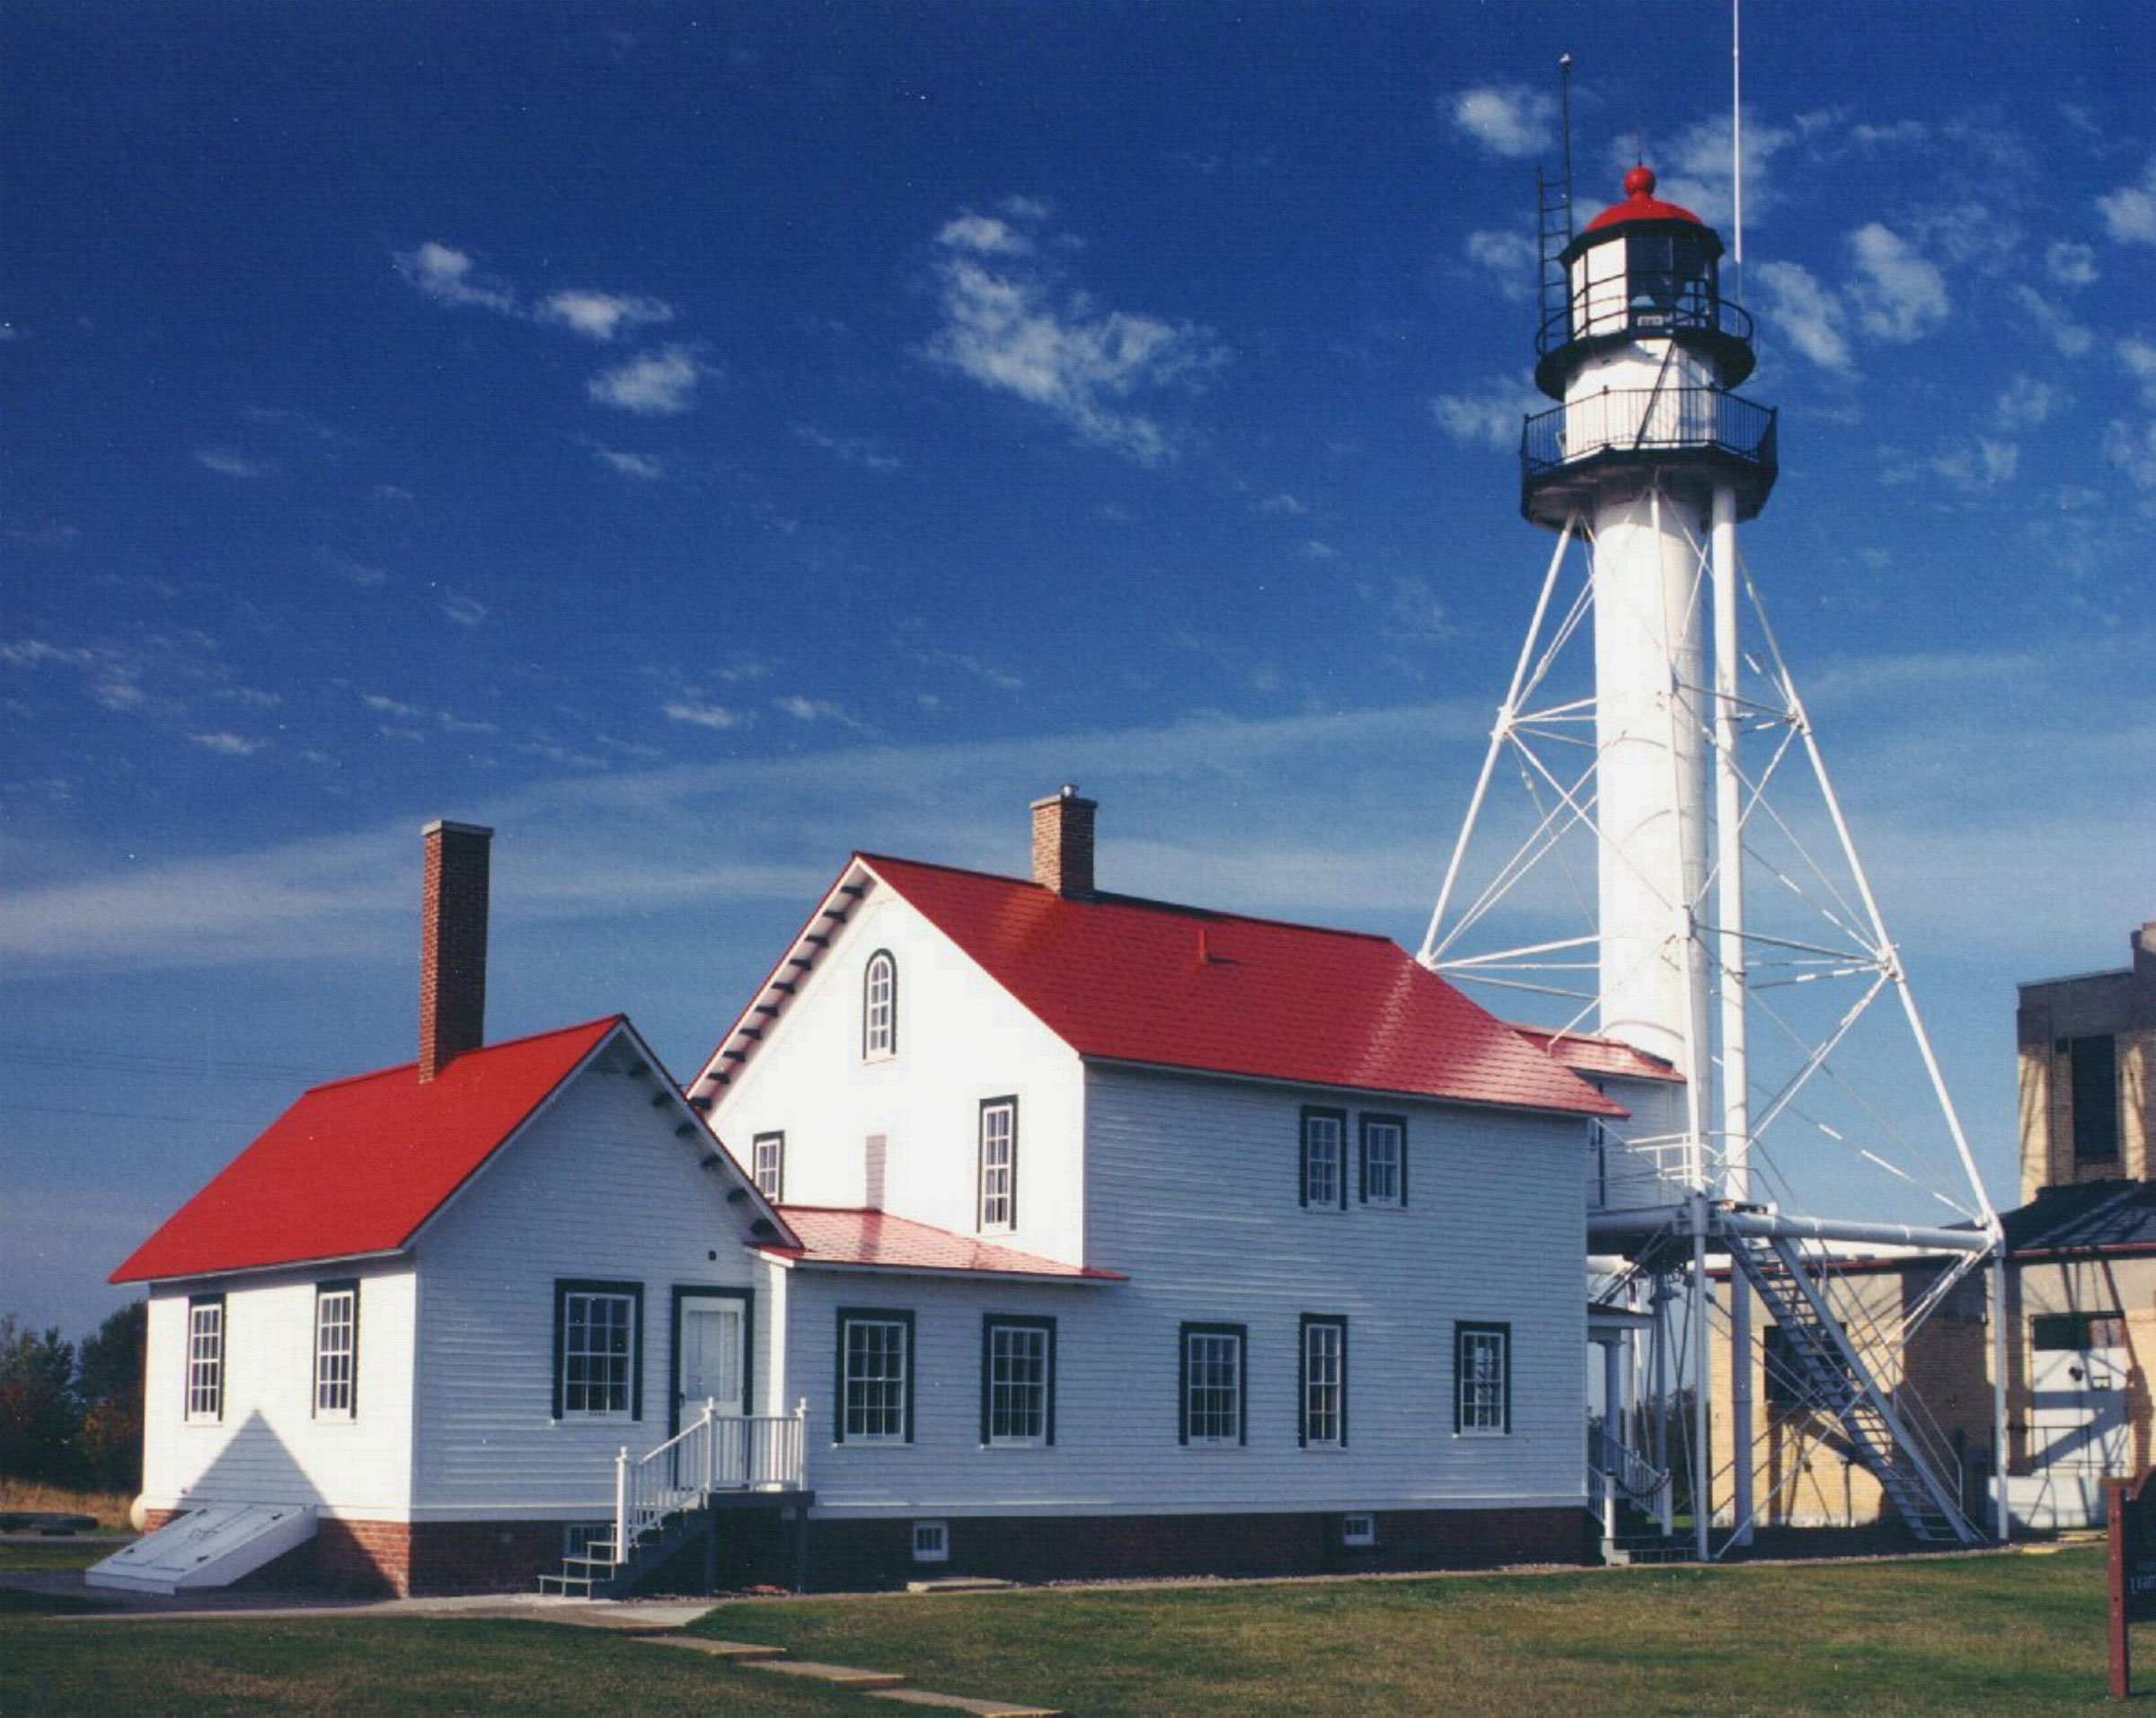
[645, 1493]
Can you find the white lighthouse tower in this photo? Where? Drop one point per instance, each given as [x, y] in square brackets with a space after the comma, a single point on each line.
[1644, 469]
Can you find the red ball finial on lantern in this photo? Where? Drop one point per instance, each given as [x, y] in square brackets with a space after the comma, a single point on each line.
[1639, 182]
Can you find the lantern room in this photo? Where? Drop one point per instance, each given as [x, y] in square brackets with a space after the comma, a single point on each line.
[1643, 270]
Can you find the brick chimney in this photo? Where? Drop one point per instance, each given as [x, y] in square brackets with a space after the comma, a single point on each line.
[1063, 843]
[453, 944]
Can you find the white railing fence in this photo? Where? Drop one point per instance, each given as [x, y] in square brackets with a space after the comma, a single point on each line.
[1618, 1474]
[714, 1452]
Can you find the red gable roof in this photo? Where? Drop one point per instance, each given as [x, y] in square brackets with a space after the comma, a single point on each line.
[356, 1166]
[1584, 1053]
[1129, 980]
[861, 1237]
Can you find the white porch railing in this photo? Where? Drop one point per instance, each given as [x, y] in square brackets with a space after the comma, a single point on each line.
[1618, 1474]
[714, 1452]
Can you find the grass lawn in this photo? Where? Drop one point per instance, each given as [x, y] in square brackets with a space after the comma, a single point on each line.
[1992, 1634]
[402, 1668]
[75, 1552]
[1995, 1635]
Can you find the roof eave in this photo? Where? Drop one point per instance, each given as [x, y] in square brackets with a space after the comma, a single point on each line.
[789, 1259]
[311, 1263]
[1604, 1106]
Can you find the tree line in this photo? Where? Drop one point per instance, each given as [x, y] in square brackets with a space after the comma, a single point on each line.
[71, 1414]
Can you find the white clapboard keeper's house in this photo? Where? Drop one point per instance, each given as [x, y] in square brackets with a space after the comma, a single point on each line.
[1138, 1238]
[398, 1342]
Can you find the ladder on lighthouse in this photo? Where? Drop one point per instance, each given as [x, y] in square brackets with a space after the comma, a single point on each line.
[1830, 1379]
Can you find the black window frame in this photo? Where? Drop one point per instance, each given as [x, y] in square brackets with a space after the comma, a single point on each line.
[1462, 1328]
[1364, 1120]
[990, 1324]
[1330, 1321]
[1316, 1111]
[778, 1195]
[564, 1287]
[1242, 1333]
[351, 1410]
[216, 1414]
[1009, 1099]
[868, 971]
[901, 1316]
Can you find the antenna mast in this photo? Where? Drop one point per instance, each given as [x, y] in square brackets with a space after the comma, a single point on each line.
[1736, 143]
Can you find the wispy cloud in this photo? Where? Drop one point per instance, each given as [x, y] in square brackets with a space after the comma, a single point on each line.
[2130, 212]
[1899, 295]
[2071, 264]
[226, 463]
[227, 745]
[1697, 168]
[1510, 119]
[465, 611]
[451, 277]
[1510, 259]
[361, 573]
[1489, 416]
[657, 383]
[601, 316]
[854, 450]
[2069, 338]
[648, 467]
[1805, 313]
[2027, 402]
[983, 235]
[706, 715]
[1008, 324]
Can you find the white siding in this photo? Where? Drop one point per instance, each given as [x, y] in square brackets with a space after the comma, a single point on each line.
[1194, 1194]
[267, 1447]
[598, 1186]
[962, 1038]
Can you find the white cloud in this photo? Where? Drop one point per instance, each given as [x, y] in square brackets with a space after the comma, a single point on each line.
[1489, 416]
[2027, 402]
[1510, 121]
[809, 709]
[385, 706]
[1696, 170]
[354, 572]
[983, 236]
[1316, 549]
[2139, 357]
[1806, 313]
[1510, 258]
[465, 611]
[449, 276]
[654, 384]
[225, 463]
[855, 450]
[1004, 327]
[603, 315]
[2130, 212]
[647, 467]
[2068, 336]
[2132, 450]
[1898, 293]
[706, 715]
[1976, 465]
[227, 745]
[2070, 264]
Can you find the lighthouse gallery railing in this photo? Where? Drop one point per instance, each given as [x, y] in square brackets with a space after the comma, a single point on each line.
[1647, 420]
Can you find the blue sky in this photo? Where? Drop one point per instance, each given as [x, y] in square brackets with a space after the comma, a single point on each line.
[701, 441]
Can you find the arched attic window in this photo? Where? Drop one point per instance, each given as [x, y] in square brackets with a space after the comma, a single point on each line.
[880, 1006]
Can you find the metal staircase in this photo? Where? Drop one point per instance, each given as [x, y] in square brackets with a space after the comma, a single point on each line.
[596, 1573]
[1833, 1382]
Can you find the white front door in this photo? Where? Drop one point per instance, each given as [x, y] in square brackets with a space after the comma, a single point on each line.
[708, 1365]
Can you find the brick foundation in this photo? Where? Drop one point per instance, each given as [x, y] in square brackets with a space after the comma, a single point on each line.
[399, 1559]
[855, 1555]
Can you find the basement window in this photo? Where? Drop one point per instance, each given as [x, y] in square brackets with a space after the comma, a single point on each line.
[932, 1542]
[1359, 1529]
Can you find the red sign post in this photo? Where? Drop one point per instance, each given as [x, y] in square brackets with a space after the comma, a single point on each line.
[2132, 1508]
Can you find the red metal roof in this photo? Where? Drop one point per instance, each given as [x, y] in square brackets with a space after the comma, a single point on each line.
[356, 1166]
[1129, 981]
[1641, 204]
[862, 1238]
[1584, 1053]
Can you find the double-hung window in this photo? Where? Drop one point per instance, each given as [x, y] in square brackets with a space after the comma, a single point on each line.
[206, 1357]
[880, 1006]
[768, 1156]
[999, 1162]
[1324, 1382]
[336, 1350]
[1385, 1154]
[1214, 1394]
[1481, 1379]
[598, 1348]
[1018, 1380]
[1325, 1180]
[875, 1376]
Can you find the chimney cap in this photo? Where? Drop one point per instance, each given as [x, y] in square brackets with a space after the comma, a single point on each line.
[442, 825]
[1068, 790]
